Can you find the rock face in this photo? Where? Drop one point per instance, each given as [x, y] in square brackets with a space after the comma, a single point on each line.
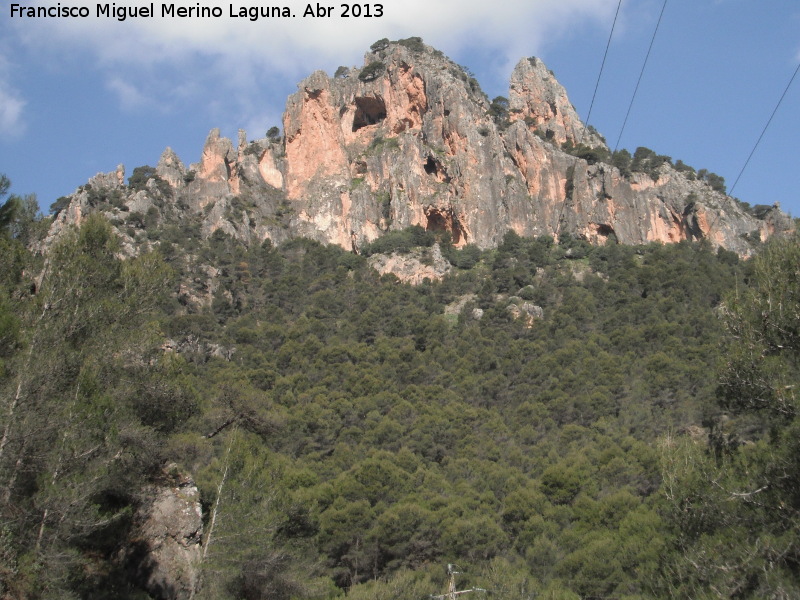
[538, 99]
[410, 139]
[528, 311]
[415, 267]
[166, 550]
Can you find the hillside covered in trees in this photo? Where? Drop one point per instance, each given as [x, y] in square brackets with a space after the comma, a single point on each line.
[559, 419]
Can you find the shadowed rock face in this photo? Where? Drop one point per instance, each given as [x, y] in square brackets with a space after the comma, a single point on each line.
[165, 551]
[410, 140]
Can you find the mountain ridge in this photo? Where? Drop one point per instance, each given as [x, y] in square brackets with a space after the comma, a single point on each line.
[410, 139]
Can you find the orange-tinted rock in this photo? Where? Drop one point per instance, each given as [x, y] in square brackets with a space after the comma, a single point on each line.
[412, 142]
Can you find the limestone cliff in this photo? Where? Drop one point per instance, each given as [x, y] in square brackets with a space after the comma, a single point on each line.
[536, 97]
[410, 139]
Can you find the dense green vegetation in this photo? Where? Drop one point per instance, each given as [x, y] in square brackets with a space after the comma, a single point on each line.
[739, 503]
[351, 436]
[372, 71]
[643, 160]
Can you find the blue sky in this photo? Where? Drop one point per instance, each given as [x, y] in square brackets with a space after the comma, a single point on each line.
[79, 96]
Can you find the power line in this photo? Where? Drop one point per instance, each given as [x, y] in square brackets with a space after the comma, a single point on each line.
[557, 229]
[758, 141]
[600, 74]
[641, 73]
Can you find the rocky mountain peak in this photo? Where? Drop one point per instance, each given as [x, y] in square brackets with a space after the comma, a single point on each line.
[171, 169]
[409, 139]
[536, 97]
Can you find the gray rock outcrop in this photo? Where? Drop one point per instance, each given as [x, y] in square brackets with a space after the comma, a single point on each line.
[166, 546]
[413, 267]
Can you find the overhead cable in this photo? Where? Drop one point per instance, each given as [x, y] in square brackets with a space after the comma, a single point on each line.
[557, 228]
[600, 74]
[641, 73]
[758, 141]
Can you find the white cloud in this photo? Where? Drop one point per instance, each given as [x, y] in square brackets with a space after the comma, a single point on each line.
[12, 105]
[130, 97]
[11, 113]
[515, 27]
[156, 62]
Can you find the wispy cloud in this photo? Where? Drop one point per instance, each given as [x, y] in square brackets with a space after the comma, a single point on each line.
[11, 112]
[235, 53]
[12, 104]
[290, 44]
[129, 96]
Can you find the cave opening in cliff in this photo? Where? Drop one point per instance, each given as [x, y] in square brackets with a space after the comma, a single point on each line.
[600, 233]
[435, 168]
[606, 231]
[430, 166]
[369, 111]
[444, 221]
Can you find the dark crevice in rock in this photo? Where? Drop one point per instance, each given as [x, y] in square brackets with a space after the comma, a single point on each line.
[445, 220]
[605, 230]
[369, 111]
[430, 166]
[435, 168]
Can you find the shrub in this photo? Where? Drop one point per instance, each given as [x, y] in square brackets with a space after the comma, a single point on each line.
[400, 241]
[385, 202]
[138, 181]
[380, 143]
[253, 149]
[591, 155]
[647, 161]
[622, 160]
[498, 110]
[682, 167]
[372, 71]
[760, 210]
[414, 44]
[60, 204]
[151, 218]
[381, 44]
[136, 219]
[465, 258]
[717, 182]
[141, 175]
